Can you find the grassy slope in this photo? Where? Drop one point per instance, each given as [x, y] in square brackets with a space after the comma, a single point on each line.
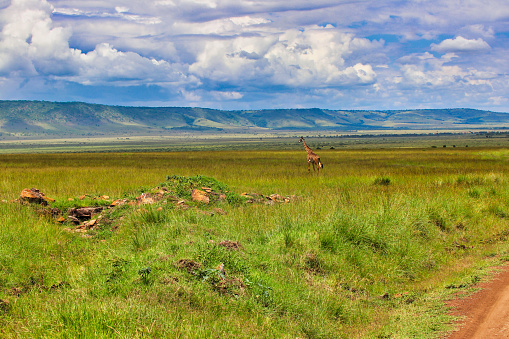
[369, 250]
[39, 119]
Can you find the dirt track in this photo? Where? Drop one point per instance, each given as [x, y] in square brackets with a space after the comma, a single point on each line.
[486, 312]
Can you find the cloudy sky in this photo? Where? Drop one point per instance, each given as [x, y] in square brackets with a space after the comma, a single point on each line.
[253, 54]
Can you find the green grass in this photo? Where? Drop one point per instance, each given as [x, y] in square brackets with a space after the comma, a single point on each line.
[370, 248]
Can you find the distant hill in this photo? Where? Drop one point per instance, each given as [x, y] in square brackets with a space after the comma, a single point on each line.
[43, 119]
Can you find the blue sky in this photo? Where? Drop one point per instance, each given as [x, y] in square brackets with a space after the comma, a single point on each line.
[240, 54]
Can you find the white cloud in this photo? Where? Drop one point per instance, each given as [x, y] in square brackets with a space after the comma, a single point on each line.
[479, 30]
[460, 44]
[241, 52]
[222, 95]
[313, 57]
[106, 64]
[424, 71]
[225, 26]
[31, 45]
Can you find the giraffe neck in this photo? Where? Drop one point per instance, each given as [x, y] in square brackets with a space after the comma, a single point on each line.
[306, 147]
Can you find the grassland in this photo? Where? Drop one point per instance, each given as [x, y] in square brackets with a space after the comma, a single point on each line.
[371, 247]
[268, 140]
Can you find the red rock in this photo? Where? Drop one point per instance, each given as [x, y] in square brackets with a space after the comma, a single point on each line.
[119, 202]
[198, 195]
[275, 197]
[89, 224]
[145, 198]
[33, 195]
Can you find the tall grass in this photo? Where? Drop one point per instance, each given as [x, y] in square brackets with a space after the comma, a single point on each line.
[365, 250]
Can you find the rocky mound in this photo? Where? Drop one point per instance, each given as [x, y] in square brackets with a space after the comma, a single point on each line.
[202, 193]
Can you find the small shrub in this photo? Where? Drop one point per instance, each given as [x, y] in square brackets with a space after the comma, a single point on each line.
[436, 219]
[473, 281]
[328, 242]
[474, 193]
[144, 273]
[497, 211]
[382, 181]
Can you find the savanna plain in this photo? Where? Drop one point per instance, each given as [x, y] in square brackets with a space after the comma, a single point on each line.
[371, 247]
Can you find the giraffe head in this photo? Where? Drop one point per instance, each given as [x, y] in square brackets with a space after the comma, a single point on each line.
[301, 139]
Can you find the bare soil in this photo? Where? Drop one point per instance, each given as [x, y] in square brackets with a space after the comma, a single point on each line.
[485, 313]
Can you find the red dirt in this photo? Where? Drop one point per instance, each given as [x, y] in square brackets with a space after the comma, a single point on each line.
[486, 312]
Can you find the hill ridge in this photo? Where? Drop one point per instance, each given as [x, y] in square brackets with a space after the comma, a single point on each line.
[74, 119]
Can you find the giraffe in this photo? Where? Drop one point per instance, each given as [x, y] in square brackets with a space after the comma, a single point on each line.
[312, 157]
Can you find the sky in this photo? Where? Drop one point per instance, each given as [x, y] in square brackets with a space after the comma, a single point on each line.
[258, 54]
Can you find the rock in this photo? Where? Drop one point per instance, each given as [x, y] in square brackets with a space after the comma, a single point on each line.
[119, 202]
[182, 204]
[275, 197]
[145, 198]
[84, 213]
[73, 220]
[219, 196]
[231, 245]
[199, 195]
[89, 224]
[33, 195]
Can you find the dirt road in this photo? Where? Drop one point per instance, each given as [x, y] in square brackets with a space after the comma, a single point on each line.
[486, 312]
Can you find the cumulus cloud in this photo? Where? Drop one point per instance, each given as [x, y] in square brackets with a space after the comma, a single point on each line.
[106, 64]
[228, 95]
[314, 57]
[460, 44]
[425, 71]
[347, 53]
[31, 45]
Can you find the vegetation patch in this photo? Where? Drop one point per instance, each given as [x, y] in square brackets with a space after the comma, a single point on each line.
[338, 255]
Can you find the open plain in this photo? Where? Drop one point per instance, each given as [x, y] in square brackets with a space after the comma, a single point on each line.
[372, 247]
